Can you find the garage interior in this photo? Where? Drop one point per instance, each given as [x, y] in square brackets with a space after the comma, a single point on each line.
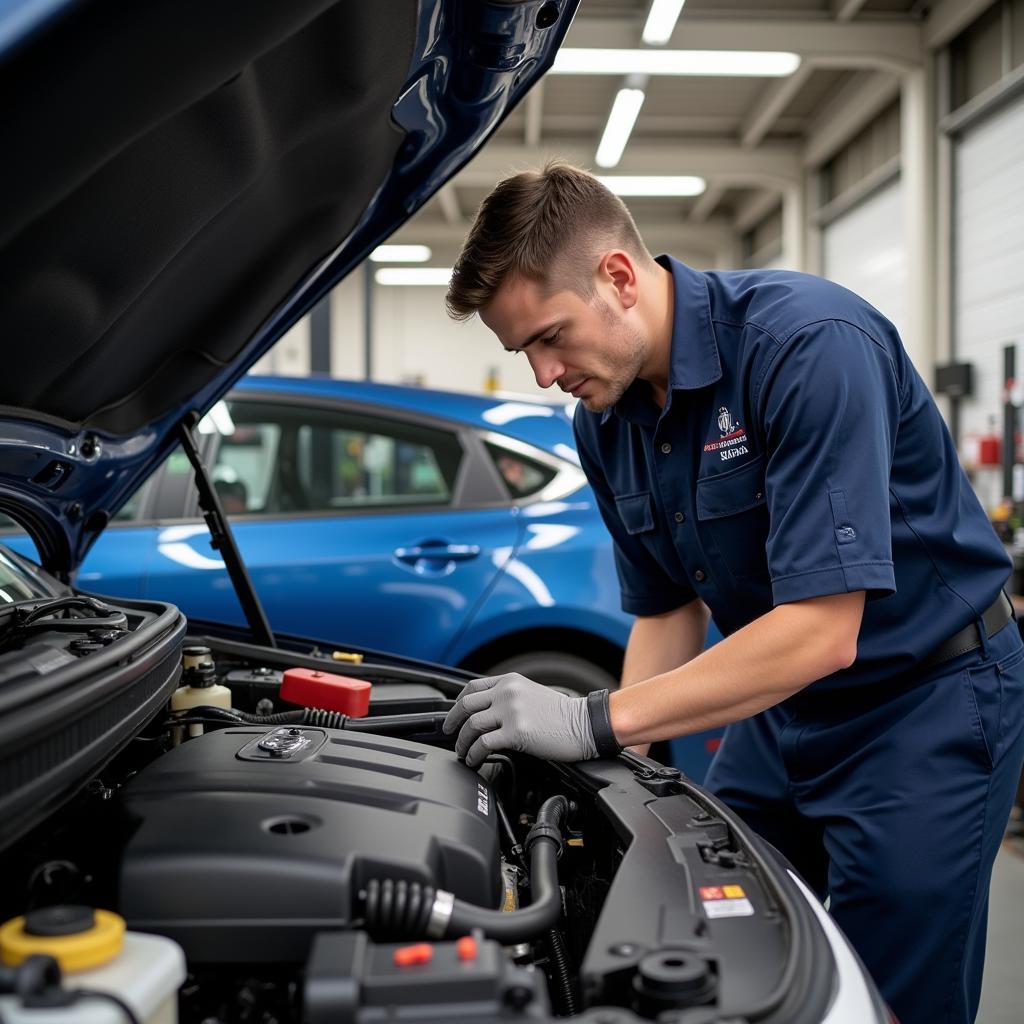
[888, 161]
[320, 533]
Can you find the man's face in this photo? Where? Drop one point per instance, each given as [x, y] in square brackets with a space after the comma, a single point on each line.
[589, 348]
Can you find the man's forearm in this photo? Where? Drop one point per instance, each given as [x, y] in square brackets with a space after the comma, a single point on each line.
[660, 643]
[760, 665]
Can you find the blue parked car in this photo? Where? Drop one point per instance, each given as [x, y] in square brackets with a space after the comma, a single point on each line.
[443, 527]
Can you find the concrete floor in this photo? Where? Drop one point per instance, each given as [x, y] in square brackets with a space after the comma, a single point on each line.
[1002, 992]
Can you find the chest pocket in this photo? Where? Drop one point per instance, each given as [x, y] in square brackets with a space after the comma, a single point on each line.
[636, 512]
[732, 512]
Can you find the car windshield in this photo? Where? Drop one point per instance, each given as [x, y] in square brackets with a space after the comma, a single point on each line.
[15, 583]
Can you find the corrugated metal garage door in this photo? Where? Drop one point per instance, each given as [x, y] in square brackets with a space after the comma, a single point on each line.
[864, 250]
[988, 254]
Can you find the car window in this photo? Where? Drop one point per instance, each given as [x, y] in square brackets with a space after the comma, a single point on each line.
[132, 509]
[522, 476]
[243, 474]
[278, 459]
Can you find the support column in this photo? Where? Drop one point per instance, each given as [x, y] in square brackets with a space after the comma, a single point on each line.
[368, 271]
[918, 187]
[320, 337]
[942, 282]
[794, 217]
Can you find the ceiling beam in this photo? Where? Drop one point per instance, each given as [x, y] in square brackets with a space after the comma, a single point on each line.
[670, 126]
[772, 103]
[893, 45]
[706, 204]
[850, 110]
[723, 163]
[449, 203]
[713, 236]
[948, 18]
[754, 209]
[846, 10]
[534, 114]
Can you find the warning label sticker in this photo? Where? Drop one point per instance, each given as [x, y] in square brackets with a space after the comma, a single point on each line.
[725, 901]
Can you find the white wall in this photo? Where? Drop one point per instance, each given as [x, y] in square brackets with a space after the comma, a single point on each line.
[417, 342]
[865, 250]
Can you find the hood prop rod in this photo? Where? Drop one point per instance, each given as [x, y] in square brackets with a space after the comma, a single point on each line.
[222, 539]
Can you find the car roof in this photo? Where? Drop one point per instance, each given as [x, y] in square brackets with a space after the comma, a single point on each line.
[545, 424]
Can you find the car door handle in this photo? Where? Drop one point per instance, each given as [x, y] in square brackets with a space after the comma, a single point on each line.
[438, 551]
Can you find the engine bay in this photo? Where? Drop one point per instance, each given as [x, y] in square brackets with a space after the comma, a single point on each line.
[306, 864]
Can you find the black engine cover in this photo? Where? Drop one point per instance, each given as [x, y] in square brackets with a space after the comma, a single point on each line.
[251, 840]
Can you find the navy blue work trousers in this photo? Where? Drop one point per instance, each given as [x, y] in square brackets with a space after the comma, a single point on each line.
[893, 799]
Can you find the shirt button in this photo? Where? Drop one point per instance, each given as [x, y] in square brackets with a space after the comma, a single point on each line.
[666, 448]
[680, 517]
[757, 497]
[699, 575]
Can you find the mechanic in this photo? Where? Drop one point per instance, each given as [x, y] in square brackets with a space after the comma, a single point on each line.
[761, 446]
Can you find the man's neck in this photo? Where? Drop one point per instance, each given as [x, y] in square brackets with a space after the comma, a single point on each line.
[662, 315]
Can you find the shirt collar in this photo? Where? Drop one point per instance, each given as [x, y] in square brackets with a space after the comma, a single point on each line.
[693, 360]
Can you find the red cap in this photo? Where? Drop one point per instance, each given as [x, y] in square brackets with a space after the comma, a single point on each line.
[328, 690]
[420, 953]
[465, 948]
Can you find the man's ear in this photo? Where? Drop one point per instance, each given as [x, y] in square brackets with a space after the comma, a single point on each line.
[617, 271]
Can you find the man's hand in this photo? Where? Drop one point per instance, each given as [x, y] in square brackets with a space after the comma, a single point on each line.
[511, 712]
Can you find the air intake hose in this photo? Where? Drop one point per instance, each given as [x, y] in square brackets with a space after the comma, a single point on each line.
[400, 910]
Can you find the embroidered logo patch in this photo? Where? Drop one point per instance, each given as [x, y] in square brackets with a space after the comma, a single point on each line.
[732, 440]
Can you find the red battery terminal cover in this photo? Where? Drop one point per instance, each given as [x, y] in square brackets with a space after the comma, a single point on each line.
[312, 688]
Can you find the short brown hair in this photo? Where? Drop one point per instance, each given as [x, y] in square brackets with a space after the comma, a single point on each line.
[543, 225]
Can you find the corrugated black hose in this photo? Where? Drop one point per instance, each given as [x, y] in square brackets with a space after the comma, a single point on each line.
[561, 974]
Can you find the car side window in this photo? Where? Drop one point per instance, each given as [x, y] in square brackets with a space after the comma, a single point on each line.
[522, 476]
[131, 510]
[280, 459]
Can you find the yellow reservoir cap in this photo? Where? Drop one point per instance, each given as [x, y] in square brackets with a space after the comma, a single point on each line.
[79, 952]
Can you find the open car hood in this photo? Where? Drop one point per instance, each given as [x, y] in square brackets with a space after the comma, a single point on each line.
[184, 181]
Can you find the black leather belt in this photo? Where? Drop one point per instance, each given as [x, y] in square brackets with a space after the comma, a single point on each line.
[967, 639]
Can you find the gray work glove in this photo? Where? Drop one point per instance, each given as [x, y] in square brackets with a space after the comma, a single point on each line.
[511, 712]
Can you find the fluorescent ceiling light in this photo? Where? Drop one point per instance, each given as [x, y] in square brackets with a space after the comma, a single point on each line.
[759, 63]
[653, 184]
[414, 275]
[401, 254]
[661, 20]
[620, 123]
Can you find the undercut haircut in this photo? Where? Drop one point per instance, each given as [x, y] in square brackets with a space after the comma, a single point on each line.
[549, 226]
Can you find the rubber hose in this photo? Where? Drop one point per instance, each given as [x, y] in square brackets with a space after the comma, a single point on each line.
[544, 844]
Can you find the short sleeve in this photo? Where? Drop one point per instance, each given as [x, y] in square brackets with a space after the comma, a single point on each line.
[646, 589]
[829, 401]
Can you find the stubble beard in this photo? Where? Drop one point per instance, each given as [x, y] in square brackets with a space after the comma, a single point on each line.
[616, 379]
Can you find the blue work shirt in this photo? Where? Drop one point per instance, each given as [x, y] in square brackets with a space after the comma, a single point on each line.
[799, 454]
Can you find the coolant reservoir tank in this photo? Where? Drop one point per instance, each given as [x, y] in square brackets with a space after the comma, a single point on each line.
[199, 686]
[95, 952]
